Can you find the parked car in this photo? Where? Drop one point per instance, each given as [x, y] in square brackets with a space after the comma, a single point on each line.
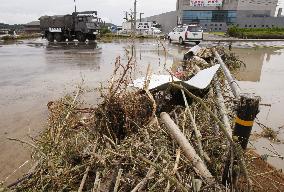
[186, 33]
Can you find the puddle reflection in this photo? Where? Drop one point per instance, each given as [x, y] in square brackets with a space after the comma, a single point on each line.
[254, 59]
[83, 55]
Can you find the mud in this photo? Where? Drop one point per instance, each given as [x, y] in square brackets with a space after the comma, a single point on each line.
[34, 72]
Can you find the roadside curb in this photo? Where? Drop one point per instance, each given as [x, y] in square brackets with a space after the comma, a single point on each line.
[244, 40]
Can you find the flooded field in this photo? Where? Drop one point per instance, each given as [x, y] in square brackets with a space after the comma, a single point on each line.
[33, 72]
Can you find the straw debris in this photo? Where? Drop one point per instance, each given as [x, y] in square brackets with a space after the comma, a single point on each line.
[122, 145]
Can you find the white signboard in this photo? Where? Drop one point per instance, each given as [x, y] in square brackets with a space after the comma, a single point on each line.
[206, 3]
[55, 30]
[143, 25]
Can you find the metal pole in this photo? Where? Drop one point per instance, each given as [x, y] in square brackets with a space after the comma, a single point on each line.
[222, 106]
[232, 82]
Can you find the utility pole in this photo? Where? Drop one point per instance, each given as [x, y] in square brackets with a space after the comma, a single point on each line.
[141, 21]
[75, 6]
[135, 14]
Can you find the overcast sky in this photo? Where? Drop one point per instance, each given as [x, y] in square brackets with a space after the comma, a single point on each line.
[23, 11]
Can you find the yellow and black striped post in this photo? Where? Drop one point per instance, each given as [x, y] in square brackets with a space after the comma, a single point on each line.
[246, 113]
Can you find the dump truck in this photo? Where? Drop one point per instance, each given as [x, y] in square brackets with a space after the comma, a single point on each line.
[80, 25]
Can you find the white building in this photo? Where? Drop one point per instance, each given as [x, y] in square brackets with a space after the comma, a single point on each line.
[219, 14]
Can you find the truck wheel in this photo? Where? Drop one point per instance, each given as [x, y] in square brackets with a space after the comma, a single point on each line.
[58, 37]
[197, 42]
[50, 37]
[181, 42]
[92, 38]
[70, 39]
[81, 37]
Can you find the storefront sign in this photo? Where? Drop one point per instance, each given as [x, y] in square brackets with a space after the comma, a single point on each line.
[206, 3]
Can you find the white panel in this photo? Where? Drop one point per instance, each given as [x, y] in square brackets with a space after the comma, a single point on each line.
[55, 30]
[200, 81]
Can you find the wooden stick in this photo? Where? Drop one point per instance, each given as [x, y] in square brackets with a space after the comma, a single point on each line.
[175, 168]
[170, 178]
[96, 183]
[143, 182]
[189, 151]
[20, 180]
[150, 173]
[27, 176]
[196, 130]
[16, 170]
[148, 77]
[67, 117]
[84, 179]
[177, 161]
[117, 182]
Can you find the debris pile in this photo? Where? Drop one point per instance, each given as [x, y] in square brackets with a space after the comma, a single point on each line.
[124, 145]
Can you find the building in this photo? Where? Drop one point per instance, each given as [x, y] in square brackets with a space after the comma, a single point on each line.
[6, 28]
[4, 31]
[218, 15]
[32, 27]
[167, 20]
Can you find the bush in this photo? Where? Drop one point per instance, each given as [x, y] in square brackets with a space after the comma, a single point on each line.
[8, 38]
[256, 33]
[105, 30]
[21, 36]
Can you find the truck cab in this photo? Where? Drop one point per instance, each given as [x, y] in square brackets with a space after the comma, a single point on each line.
[86, 25]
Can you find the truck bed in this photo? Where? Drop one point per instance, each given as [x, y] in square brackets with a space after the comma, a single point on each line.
[64, 22]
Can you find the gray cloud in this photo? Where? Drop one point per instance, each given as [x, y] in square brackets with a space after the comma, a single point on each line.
[23, 11]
